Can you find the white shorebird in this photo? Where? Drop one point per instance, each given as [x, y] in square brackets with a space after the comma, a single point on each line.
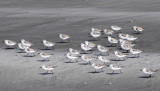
[64, 37]
[115, 68]
[122, 42]
[148, 71]
[112, 40]
[126, 47]
[30, 51]
[97, 66]
[45, 55]
[116, 28]
[48, 68]
[10, 43]
[131, 38]
[48, 44]
[87, 58]
[120, 55]
[74, 51]
[26, 43]
[102, 49]
[95, 34]
[85, 47]
[138, 29]
[108, 32]
[123, 36]
[104, 60]
[135, 52]
[21, 47]
[95, 30]
[71, 57]
[91, 44]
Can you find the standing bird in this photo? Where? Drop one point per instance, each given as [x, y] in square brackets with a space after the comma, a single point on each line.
[102, 49]
[135, 52]
[148, 71]
[30, 51]
[138, 29]
[71, 57]
[112, 41]
[74, 51]
[21, 47]
[91, 44]
[45, 55]
[85, 47]
[104, 60]
[97, 66]
[115, 68]
[108, 32]
[87, 58]
[48, 44]
[64, 37]
[48, 68]
[10, 43]
[123, 36]
[120, 55]
[116, 28]
[131, 38]
[26, 43]
[95, 34]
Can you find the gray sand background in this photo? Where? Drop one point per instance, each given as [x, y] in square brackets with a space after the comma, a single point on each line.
[35, 20]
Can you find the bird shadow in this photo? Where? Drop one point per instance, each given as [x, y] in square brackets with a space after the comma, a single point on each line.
[46, 49]
[132, 57]
[62, 42]
[144, 77]
[46, 73]
[93, 72]
[42, 60]
[9, 48]
[113, 73]
[116, 60]
[21, 52]
[28, 56]
[110, 46]
[69, 62]
[83, 63]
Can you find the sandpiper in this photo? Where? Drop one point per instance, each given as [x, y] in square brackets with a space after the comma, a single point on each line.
[74, 51]
[102, 49]
[115, 68]
[48, 68]
[95, 30]
[48, 44]
[123, 35]
[104, 59]
[97, 66]
[135, 51]
[138, 29]
[148, 71]
[108, 32]
[10, 43]
[87, 58]
[95, 34]
[120, 55]
[126, 47]
[131, 38]
[64, 37]
[85, 47]
[71, 57]
[112, 40]
[45, 55]
[91, 44]
[21, 47]
[30, 51]
[26, 43]
[116, 28]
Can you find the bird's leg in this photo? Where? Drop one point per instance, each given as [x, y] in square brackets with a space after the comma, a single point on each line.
[15, 47]
[107, 54]
[70, 60]
[76, 60]
[123, 59]
[112, 71]
[52, 72]
[102, 70]
[150, 75]
[47, 71]
[95, 71]
[68, 40]
[53, 48]
[120, 71]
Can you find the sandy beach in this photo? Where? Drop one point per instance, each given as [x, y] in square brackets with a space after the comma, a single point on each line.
[35, 20]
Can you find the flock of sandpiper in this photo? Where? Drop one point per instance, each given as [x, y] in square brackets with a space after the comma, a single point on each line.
[125, 41]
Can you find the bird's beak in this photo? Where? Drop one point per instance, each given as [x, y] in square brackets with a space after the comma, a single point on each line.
[141, 70]
[40, 67]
